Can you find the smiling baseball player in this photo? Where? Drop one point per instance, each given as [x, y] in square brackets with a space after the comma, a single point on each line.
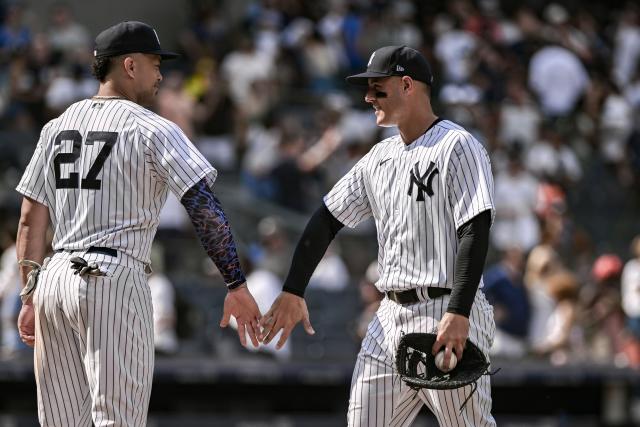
[430, 191]
[101, 173]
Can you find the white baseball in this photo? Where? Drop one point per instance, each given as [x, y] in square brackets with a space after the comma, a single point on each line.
[453, 361]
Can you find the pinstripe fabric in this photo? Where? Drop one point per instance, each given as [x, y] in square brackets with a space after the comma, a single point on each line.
[94, 352]
[104, 169]
[378, 396]
[419, 194]
[417, 240]
[150, 157]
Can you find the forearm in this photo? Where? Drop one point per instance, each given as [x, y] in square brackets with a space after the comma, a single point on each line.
[472, 252]
[214, 232]
[315, 239]
[31, 240]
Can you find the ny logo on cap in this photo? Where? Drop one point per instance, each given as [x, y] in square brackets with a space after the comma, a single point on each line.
[371, 59]
[157, 38]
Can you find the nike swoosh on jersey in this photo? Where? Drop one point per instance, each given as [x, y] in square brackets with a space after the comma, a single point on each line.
[382, 162]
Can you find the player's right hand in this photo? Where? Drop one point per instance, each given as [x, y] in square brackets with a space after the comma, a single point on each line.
[27, 324]
[285, 312]
[240, 304]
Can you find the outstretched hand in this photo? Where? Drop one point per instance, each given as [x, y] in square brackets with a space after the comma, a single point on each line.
[285, 312]
[240, 304]
[453, 331]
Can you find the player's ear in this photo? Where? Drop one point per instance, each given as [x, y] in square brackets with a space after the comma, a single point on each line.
[129, 66]
[407, 84]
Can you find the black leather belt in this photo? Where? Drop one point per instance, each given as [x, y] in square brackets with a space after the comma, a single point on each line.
[411, 296]
[94, 250]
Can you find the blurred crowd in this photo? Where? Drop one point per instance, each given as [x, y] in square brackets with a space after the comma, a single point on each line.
[551, 88]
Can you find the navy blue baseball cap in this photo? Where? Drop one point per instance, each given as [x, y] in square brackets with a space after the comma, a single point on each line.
[395, 61]
[129, 37]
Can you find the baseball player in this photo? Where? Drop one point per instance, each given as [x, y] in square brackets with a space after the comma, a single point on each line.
[101, 173]
[430, 191]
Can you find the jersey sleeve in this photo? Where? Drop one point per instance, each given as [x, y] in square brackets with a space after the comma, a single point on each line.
[32, 183]
[178, 162]
[469, 182]
[348, 201]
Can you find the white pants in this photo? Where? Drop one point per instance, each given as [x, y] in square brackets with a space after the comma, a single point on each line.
[380, 398]
[94, 344]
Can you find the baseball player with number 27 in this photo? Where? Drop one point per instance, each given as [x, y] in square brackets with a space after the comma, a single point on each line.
[430, 191]
[100, 173]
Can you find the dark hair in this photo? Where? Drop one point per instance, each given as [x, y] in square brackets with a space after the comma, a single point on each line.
[101, 67]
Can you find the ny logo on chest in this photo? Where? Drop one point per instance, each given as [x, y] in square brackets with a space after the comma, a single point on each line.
[422, 182]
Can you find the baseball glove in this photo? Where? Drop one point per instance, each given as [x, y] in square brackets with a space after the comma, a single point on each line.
[417, 368]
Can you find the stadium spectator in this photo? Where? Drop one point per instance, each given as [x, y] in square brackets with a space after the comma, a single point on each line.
[603, 318]
[505, 290]
[10, 286]
[370, 297]
[630, 284]
[562, 336]
[516, 195]
[558, 78]
[67, 36]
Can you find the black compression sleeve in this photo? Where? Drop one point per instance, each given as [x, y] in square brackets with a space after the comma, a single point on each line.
[472, 251]
[315, 239]
[214, 231]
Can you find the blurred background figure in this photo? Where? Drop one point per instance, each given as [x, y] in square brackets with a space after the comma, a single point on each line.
[505, 290]
[273, 251]
[558, 78]
[331, 274]
[604, 318]
[67, 36]
[176, 104]
[370, 297]
[562, 336]
[516, 196]
[542, 262]
[630, 284]
[10, 286]
[164, 305]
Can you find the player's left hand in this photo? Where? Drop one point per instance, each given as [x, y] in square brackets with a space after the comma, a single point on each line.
[27, 324]
[240, 304]
[453, 331]
[285, 312]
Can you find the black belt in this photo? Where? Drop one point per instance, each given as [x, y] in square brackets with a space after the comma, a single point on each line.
[94, 250]
[411, 296]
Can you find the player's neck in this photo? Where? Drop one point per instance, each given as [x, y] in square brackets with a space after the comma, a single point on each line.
[416, 125]
[108, 90]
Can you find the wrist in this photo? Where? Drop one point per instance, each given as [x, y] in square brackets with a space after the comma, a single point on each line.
[293, 291]
[236, 286]
[459, 311]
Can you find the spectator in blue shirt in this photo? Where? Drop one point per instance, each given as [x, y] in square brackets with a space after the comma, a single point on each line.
[505, 290]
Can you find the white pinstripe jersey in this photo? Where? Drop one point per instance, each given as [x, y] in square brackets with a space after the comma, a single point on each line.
[419, 195]
[104, 169]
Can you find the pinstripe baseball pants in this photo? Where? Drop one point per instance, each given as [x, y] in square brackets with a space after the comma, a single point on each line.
[378, 396]
[94, 344]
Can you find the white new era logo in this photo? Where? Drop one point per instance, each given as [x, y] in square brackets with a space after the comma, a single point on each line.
[399, 68]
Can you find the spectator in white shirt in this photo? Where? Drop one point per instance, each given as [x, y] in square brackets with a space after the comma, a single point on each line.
[558, 78]
[630, 284]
